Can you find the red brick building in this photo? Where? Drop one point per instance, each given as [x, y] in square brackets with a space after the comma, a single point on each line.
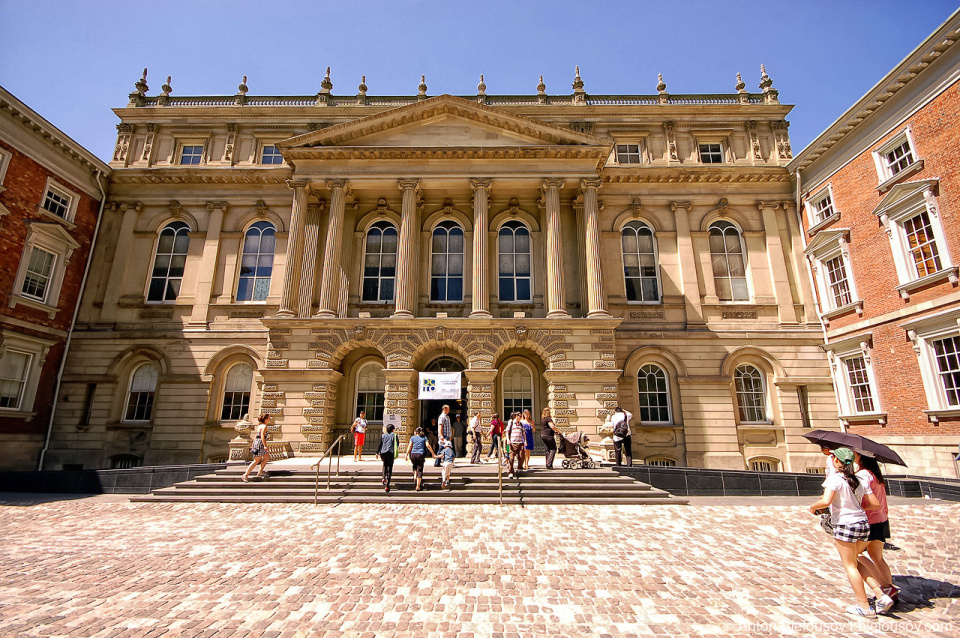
[879, 195]
[50, 201]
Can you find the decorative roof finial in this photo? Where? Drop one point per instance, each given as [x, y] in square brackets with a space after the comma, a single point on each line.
[661, 85]
[326, 86]
[166, 88]
[362, 89]
[541, 87]
[765, 81]
[740, 87]
[242, 88]
[141, 84]
[481, 88]
[577, 81]
[423, 85]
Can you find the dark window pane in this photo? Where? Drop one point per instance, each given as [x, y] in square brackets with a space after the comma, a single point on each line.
[523, 289]
[370, 289]
[506, 289]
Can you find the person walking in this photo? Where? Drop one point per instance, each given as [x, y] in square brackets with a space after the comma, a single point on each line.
[514, 434]
[445, 429]
[416, 453]
[622, 439]
[448, 458]
[843, 492]
[459, 436]
[475, 433]
[259, 449]
[359, 429]
[496, 433]
[388, 453]
[548, 434]
[876, 567]
[526, 420]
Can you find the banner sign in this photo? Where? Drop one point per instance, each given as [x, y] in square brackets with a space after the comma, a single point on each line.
[439, 385]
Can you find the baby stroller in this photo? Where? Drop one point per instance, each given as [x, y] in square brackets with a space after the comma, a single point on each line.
[574, 448]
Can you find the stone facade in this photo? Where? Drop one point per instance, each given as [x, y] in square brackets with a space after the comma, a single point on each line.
[881, 207]
[49, 207]
[573, 251]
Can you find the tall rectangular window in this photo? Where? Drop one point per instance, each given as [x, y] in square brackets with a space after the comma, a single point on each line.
[823, 208]
[859, 381]
[899, 157]
[837, 276]
[56, 202]
[39, 272]
[14, 368]
[947, 353]
[922, 244]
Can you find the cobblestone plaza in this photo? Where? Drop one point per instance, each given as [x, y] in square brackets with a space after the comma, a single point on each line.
[103, 566]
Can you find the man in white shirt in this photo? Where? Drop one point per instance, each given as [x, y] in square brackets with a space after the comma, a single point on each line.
[622, 440]
[445, 430]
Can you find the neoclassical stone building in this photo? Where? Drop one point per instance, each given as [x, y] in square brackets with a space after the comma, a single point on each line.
[307, 256]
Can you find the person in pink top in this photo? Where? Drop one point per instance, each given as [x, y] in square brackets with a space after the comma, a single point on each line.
[876, 567]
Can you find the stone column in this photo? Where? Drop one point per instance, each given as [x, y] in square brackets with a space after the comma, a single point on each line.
[208, 267]
[121, 257]
[406, 291]
[308, 267]
[481, 284]
[778, 262]
[596, 300]
[480, 398]
[688, 264]
[291, 273]
[401, 398]
[556, 299]
[332, 251]
[800, 263]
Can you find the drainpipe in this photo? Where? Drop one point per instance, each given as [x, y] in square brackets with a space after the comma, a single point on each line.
[73, 320]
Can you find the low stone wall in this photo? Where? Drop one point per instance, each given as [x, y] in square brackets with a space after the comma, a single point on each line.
[136, 480]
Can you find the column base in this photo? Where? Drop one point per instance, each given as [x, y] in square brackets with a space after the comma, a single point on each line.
[598, 313]
[481, 314]
[558, 314]
[285, 314]
[402, 314]
[196, 325]
[325, 314]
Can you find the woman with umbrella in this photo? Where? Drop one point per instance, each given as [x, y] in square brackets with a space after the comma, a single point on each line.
[879, 527]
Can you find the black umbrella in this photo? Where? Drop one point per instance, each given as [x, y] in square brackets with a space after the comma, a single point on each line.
[863, 445]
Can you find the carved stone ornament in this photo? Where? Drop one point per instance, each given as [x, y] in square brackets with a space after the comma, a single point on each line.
[577, 81]
[326, 85]
[382, 205]
[661, 85]
[422, 87]
[541, 87]
[448, 206]
[514, 207]
[262, 209]
[441, 333]
[362, 87]
[166, 88]
[141, 84]
[175, 208]
[359, 332]
[636, 206]
[741, 87]
[243, 88]
[521, 332]
[481, 88]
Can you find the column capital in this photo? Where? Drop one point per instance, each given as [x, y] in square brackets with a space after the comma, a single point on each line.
[548, 183]
[404, 184]
[674, 206]
[481, 183]
[123, 207]
[593, 182]
[221, 206]
[336, 183]
[764, 204]
[297, 183]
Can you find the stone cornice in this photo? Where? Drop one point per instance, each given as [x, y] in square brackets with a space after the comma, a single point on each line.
[208, 175]
[693, 175]
[447, 152]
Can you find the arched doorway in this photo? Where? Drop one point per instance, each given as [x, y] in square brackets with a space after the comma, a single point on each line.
[430, 409]
[518, 392]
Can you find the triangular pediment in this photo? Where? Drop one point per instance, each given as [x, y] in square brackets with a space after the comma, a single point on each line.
[444, 121]
[904, 193]
[827, 238]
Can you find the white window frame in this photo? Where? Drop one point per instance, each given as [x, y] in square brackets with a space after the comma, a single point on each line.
[640, 152]
[259, 254]
[660, 461]
[381, 225]
[503, 390]
[52, 238]
[153, 263]
[656, 266]
[5, 157]
[717, 141]
[838, 353]
[178, 158]
[904, 202]
[225, 388]
[37, 350]
[448, 225]
[922, 333]
[669, 398]
[767, 411]
[771, 461]
[357, 390]
[72, 198]
[746, 264]
[815, 220]
[828, 245]
[516, 277]
[884, 172]
[127, 396]
[263, 146]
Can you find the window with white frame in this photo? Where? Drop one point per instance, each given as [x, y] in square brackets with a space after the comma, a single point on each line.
[852, 368]
[256, 263]
[371, 391]
[751, 394]
[14, 371]
[836, 272]
[946, 352]
[765, 465]
[270, 154]
[896, 156]
[57, 201]
[628, 154]
[820, 207]
[38, 275]
[169, 262]
[653, 392]
[513, 248]
[140, 394]
[236, 392]
[5, 156]
[858, 381]
[829, 256]
[936, 340]
[640, 272]
[517, 386]
[46, 253]
[190, 154]
[910, 212]
[711, 153]
[729, 265]
[380, 262]
[446, 268]
[661, 461]
[21, 360]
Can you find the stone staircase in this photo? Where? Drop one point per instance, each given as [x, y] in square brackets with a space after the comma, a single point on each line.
[470, 484]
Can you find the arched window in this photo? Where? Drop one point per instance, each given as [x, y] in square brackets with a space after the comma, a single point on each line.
[256, 265]
[446, 271]
[661, 461]
[751, 394]
[517, 384]
[371, 388]
[143, 386]
[654, 394]
[513, 246]
[124, 461]
[729, 268]
[380, 263]
[765, 464]
[639, 262]
[236, 392]
[169, 262]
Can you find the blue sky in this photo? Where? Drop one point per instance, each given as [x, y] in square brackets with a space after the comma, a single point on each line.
[72, 61]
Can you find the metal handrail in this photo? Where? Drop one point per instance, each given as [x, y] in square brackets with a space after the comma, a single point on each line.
[316, 486]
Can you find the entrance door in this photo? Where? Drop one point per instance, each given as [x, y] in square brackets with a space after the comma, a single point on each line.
[430, 409]
[517, 389]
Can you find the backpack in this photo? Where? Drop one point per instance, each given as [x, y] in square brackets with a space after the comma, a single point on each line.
[620, 429]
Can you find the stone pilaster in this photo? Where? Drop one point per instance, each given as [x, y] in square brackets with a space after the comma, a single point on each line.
[208, 267]
[481, 214]
[121, 259]
[318, 408]
[308, 267]
[688, 264]
[333, 249]
[596, 300]
[291, 273]
[778, 262]
[480, 384]
[556, 299]
[800, 263]
[406, 290]
[401, 398]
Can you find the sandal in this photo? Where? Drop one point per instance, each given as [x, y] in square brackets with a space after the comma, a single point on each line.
[245, 479]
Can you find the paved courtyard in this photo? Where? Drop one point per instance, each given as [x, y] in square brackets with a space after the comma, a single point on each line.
[102, 566]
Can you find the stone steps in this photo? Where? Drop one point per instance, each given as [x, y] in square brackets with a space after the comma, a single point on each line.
[473, 484]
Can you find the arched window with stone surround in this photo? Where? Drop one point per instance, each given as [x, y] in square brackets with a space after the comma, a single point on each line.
[236, 392]
[446, 270]
[517, 389]
[751, 394]
[371, 391]
[653, 392]
[169, 262]
[141, 392]
[639, 262]
[513, 249]
[380, 262]
[256, 264]
[729, 265]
